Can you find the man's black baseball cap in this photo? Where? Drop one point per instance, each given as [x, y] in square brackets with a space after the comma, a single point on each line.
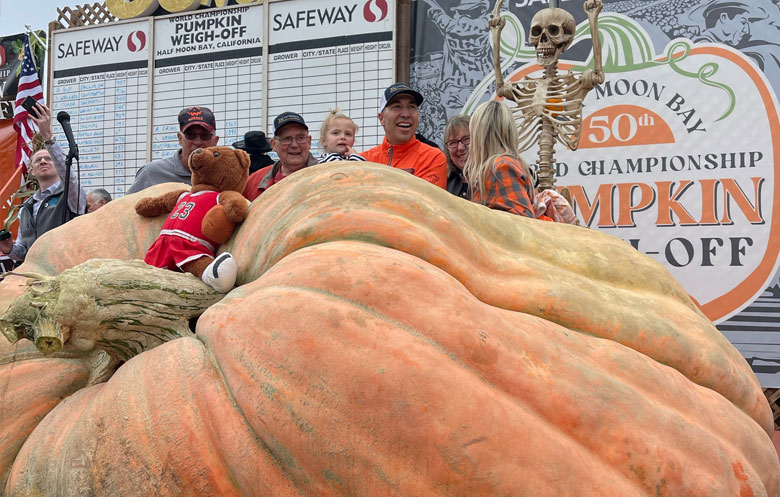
[396, 89]
[286, 118]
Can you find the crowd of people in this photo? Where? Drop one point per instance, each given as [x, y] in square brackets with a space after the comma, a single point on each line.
[480, 161]
[496, 176]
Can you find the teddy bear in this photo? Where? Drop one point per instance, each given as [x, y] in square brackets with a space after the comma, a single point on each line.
[202, 218]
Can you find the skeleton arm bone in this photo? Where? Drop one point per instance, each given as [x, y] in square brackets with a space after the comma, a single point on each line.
[594, 77]
[497, 24]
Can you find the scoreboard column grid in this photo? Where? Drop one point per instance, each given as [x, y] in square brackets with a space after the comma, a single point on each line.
[220, 95]
[90, 68]
[218, 65]
[123, 114]
[324, 54]
[110, 130]
[137, 84]
[232, 85]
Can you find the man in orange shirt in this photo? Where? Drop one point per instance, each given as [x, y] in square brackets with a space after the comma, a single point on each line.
[400, 148]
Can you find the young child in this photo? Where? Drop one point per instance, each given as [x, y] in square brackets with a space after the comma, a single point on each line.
[337, 136]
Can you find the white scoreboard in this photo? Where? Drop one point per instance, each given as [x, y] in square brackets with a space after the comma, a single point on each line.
[123, 83]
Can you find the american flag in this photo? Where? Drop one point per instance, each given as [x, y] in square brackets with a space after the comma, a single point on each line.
[29, 85]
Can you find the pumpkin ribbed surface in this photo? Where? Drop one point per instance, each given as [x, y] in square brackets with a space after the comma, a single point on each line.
[585, 280]
[31, 386]
[389, 339]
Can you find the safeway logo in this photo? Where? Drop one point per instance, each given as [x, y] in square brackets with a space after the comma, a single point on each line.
[136, 41]
[375, 10]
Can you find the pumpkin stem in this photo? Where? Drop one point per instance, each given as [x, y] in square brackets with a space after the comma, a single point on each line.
[32, 276]
[121, 307]
[48, 336]
[7, 328]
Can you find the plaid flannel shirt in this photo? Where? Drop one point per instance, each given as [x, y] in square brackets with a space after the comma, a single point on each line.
[508, 187]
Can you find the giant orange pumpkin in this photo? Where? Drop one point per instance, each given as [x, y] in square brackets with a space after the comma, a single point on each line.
[390, 339]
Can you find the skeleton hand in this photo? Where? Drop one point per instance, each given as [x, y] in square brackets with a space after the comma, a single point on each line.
[593, 7]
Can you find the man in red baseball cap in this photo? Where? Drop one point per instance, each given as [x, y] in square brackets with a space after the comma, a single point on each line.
[197, 129]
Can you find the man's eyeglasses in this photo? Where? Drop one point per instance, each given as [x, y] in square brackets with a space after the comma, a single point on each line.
[453, 144]
[193, 136]
[42, 158]
[287, 140]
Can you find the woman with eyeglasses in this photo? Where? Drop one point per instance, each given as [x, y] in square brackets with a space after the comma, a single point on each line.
[496, 175]
[456, 149]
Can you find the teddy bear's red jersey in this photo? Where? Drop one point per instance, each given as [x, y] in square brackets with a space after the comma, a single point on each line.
[181, 239]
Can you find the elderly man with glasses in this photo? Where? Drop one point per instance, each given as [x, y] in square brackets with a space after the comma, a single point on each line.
[291, 142]
[197, 127]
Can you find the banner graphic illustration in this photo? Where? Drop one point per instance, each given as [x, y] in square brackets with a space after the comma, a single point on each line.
[679, 145]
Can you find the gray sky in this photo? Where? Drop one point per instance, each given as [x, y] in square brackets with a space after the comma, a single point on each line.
[14, 14]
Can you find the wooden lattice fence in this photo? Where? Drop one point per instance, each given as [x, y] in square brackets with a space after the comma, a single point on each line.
[83, 15]
[773, 396]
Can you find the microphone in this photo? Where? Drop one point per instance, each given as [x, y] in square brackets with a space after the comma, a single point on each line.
[64, 120]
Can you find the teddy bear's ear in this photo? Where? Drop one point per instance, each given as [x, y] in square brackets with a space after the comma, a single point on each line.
[243, 158]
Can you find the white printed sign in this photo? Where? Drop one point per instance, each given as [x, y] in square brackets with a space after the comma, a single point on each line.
[210, 58]
[100, 77]
[330, 54]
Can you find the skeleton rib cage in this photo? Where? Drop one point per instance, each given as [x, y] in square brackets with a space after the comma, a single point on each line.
[557, 101]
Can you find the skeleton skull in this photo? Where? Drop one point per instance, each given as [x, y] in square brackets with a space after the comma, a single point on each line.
[551, 33]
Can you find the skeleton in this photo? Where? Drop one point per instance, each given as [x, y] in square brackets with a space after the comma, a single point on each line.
[549, 108]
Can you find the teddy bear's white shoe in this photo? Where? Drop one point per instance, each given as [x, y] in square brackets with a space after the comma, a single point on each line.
[221, 273]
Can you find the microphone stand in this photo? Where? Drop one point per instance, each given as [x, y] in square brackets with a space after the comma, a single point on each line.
[72, 152]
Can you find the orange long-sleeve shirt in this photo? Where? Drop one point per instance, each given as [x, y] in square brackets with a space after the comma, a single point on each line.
[415, 157]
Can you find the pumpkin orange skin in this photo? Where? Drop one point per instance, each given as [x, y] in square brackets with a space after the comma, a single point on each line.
[394, 345]
[31, 386]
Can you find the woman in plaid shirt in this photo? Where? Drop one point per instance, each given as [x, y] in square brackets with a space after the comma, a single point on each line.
[496, 175]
